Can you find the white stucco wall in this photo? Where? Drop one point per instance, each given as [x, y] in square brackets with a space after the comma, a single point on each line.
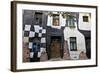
[49, 21]
[84, 25]
[75, 33]
[80, 40]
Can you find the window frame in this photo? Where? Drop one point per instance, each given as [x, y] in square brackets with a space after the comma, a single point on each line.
[54, 18]
[85, 18]
[70, 21]
[73, 43]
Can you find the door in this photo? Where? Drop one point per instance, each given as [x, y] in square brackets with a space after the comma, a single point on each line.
[55, 47]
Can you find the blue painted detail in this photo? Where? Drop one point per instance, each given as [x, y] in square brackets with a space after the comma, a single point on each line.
[36, 47]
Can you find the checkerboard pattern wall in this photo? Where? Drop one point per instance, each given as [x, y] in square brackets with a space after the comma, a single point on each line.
[29, 32]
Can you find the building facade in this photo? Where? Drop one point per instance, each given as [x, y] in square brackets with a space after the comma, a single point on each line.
[56, 35]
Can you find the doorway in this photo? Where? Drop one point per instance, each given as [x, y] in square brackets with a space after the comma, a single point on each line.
[55, 47]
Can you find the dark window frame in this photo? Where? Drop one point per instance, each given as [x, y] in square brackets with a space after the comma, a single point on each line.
[73, 44]
[85, 18]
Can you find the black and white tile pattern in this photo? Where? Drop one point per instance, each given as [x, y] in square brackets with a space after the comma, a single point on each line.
[29, 32]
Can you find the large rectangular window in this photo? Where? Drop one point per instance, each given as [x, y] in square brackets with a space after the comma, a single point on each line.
[70, 21]
[73, 44]
[55, 20]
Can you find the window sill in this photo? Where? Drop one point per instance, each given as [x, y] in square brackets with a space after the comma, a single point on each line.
[73, 50]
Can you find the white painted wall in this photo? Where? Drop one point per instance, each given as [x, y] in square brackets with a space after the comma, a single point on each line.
[84, 25]
[80, 40]
[62, 20]
[49, 21]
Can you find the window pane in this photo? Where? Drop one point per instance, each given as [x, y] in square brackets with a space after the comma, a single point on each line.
[85, 19]
[74, 44]
[71, 45]
[70, 21]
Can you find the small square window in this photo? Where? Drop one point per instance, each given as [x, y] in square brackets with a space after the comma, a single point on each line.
[85, 19]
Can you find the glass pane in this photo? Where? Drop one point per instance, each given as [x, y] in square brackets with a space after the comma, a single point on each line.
[73, 43]
[85, 19]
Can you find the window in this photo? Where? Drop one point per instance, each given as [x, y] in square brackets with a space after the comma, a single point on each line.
[85, 19]
[73, 45]
[55, 20]
[55, 46]
[38, 18]
[70, 21]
